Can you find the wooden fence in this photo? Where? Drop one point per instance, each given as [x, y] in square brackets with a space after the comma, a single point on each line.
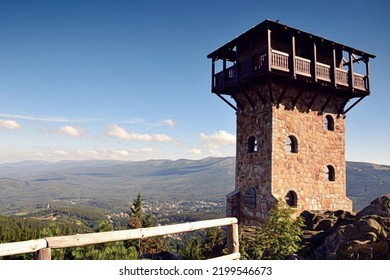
[42, 247]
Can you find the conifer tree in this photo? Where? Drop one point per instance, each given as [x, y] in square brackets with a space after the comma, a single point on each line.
[280, 235]
[213, 244]
[148, 220]
[135, 220]
[136, 209]
[139, 220]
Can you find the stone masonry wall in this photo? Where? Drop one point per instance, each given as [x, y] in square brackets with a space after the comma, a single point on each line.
[253, 169]
[271, 171]
[306, 172]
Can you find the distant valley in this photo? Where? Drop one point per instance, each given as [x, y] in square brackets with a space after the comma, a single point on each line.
[112, 185]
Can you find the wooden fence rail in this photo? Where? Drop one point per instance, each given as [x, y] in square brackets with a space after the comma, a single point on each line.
[42, 247]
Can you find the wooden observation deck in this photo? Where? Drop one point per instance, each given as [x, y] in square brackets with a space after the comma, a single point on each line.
[272, 52]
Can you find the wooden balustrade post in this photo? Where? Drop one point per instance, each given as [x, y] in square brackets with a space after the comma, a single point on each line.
[43, 254]
[233, 239]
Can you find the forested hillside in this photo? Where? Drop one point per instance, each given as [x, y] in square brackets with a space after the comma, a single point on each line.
[111, 185]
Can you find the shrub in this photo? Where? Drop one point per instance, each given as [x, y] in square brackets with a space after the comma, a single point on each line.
[280, 235]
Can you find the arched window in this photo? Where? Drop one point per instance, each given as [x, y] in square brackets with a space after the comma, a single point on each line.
[329, 123]
[250, 197]
[330, 173]
[292, 144]
[252, 145]
[291, 199]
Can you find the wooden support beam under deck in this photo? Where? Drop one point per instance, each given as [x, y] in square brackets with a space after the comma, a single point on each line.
[353, 105]
[270, 91]
[243, 91]
[295, 101]
[341, 109]
[239, 104]
[280, 98]
[313, 100]
[226, 101]
[259, 93]
[323, 108]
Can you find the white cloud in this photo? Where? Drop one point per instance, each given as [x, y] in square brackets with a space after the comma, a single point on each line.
[219, 138]
[168, 122]
[129, 153]
[57, 154]
[161, 138]
[70, 131]
[121, 152]
[46, 118]
[146, 150]
[90, 154]
[216, 153]
[193, 151]
[60, 153]
[9, 124]
[118, 154]
[119, 132]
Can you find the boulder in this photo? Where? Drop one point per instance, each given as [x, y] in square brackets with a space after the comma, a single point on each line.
[326, 220]
[364, 239]
[324, 224]
[379, 207]
[345, 235]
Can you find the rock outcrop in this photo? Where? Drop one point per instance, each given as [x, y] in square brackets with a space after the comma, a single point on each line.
[348, 235]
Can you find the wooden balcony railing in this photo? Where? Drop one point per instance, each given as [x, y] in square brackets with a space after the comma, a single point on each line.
[342, 77]
[323, 72]
[259, 62]
[302, 66]
[42, 247]
[359, 81]
[280, 61]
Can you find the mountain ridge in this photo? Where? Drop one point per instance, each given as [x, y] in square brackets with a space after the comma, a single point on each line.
[210, 178]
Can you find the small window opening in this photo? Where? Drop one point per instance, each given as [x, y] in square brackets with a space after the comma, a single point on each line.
[329, 123]
[292, 144]
[330, 173]
[252, 145]
[291, 199]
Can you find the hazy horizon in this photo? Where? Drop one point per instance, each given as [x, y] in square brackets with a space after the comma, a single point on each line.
[151, 159]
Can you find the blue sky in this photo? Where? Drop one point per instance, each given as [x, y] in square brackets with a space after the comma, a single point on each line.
[129, 80]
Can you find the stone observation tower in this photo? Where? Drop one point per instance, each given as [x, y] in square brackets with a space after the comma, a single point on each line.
[290, 90]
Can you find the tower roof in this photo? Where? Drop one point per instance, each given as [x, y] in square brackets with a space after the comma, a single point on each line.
[268, 24]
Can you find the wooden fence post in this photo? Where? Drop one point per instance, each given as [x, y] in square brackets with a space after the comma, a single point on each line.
[43, 254]
[233, 239]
